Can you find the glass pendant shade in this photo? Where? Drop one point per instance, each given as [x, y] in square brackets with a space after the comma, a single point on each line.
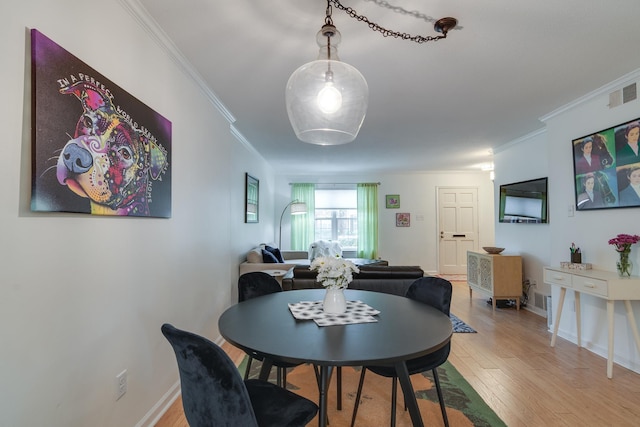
[326, 112]
[327, 99]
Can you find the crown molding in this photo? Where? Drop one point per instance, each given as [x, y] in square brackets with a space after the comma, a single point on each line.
[519, 140]
[606, 89]
[140, 14]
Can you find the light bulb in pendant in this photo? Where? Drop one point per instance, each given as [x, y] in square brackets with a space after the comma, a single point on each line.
[329, 99]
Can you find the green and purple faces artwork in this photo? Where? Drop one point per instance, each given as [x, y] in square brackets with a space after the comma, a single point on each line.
[96, 148]
[607, 168]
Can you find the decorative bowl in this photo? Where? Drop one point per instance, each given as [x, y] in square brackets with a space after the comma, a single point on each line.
[492, 250]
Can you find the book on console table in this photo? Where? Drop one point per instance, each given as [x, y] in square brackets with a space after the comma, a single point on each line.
[576, 265]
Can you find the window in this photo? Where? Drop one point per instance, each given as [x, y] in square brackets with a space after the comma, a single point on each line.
[336, 216]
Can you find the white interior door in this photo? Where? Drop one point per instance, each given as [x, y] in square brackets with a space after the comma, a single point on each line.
[458, 227]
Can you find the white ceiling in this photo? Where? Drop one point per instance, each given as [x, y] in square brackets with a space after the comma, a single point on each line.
[436, 106]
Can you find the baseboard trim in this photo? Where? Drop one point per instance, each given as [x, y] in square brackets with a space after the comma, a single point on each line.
[153, 416]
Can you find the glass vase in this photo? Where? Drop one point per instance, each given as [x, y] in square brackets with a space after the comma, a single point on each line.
[334, 301]
[623, 265]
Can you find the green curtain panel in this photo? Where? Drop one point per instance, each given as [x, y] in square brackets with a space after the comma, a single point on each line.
[367, 221]
[303, 226]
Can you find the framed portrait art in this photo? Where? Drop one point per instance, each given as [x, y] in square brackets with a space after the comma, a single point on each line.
[393, 201]
[606, 167]
[252, 199]
[96, 148]
[403, 220]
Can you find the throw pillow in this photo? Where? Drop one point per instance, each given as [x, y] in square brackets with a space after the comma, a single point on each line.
[268, 257]
[276, 253]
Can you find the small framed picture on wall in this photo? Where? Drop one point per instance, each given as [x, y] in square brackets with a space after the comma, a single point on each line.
[393, 201]
[403, 220]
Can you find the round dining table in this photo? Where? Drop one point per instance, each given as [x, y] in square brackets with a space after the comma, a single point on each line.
[403, 329]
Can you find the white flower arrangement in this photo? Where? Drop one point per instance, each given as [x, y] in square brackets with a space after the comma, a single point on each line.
[334, 272]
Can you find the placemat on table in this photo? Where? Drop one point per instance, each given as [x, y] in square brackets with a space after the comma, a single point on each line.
[357, 312]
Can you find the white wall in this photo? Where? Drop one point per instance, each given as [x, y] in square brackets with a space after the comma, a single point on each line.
[417, 244]
[524, 159]
[83, 297]
[550, 153]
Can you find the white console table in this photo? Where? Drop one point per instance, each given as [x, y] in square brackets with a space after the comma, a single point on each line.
[600, 284]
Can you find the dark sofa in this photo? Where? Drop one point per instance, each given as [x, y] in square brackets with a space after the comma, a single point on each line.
[379, 278]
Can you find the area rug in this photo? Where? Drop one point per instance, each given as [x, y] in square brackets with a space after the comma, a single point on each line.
[465, 408]
[459, 326]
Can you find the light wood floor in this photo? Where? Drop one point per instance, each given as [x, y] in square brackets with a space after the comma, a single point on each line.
[526, 382]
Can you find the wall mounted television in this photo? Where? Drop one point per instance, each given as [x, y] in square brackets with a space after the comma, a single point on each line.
[524, 202]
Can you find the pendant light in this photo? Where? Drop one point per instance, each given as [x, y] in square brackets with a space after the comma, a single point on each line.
[327, 98]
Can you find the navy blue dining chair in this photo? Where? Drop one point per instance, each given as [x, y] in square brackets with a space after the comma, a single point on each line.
[253, 285]
[214, 394]
[436, 292]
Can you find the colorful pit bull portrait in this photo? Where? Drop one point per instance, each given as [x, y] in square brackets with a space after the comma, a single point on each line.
[96, 149]
[107, 160]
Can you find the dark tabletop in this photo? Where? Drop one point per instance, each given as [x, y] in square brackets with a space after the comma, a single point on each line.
[405, 329]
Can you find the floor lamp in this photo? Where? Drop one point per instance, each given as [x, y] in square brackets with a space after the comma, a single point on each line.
[297, 208]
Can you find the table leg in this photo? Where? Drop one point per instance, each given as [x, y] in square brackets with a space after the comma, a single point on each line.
[556, 321]
[339, 387]
[322, 401]
[409, 394]
[265, 370]
[632, 322]
[610, 344]
[578, 318]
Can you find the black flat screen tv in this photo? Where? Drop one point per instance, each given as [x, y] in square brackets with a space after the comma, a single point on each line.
[524, 202]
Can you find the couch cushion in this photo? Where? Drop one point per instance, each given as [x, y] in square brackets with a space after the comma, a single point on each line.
[276, 253]
[303, 272]
[389, 272]
[392, 286]
[254, 255]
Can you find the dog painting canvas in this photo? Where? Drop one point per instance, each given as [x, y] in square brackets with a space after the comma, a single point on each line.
[96, 148]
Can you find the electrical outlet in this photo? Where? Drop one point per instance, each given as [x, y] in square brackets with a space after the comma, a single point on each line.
[121, 384]
[533, 282]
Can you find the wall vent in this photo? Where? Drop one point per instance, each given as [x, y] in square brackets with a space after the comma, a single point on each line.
[539, 301]
[615, 99]
[624, 95]
[629, 93]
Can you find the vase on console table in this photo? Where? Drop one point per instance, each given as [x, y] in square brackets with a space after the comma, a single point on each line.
[623, 265]
[334, 301]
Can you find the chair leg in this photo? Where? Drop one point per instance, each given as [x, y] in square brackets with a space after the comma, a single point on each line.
[282, 377]
[394, 398]
[439, 390]
[357, 402]
[246, 372]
